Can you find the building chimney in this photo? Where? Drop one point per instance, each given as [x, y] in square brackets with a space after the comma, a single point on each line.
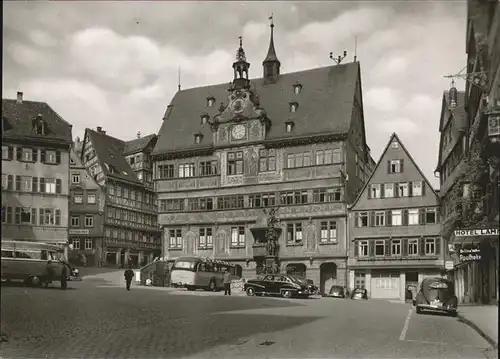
[139, 134]
[19, 97]
[77, 141]
[99, 129]
[103, 132]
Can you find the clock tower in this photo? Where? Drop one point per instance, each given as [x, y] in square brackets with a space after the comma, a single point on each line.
[242, 119]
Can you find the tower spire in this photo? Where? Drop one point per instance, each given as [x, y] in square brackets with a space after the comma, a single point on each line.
[240, 67]
[271, 63]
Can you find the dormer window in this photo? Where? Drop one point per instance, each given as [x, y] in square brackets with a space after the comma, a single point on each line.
[39, 125]
[293, 106]
[289, 126]
[210, 101]
[297, 88]
[395, 144]
[204, 119]
[198, 137]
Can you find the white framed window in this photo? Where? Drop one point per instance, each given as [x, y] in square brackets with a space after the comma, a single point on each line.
[175, 239]
[396, 166]
[206, 239]
[27, 154]
[27, 183]
[363, 248]
[289, 127]
[88, 243]
[89, 221]
[76, 243]
[397, 217]
[235, 163]
[430, 246]
[375, 188]
[186, 170]
[431, 215]
[389, 190]
[78, 198]
[379, 219]
[328, 232]
[75, 178]
[396, 247]
[237, 236]
[75, 221]
[5, 153]
[50, 185]
[363, 219]
[294, 233]
[412, 247]
[403, 189]
[91, 198]
[412, 217]
[394, 144]
[50, 156]
[380, 247]
[49, 217]
[416, 188]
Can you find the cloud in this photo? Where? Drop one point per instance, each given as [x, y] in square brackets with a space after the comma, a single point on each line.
[42, 38]
[400, 125]
[389, 66]
[421, 103]
[29, 57]
[381, 98]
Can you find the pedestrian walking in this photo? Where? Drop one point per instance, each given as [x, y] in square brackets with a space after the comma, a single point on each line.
[227, 283]
[129, 274]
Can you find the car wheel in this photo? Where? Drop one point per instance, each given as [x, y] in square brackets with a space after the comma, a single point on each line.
[418, 310]
[190, 288]
[34, 281]
[453, 314]
[212, 286]
[286, 294]
[250, 291]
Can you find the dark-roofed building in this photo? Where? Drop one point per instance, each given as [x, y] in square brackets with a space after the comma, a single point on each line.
[131, 232]
[35, 172]
[138, 154]
[395, 228]
[225, 152]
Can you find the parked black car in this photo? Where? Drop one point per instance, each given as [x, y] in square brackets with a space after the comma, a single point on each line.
[437, 295]
[313, 289]
[336, 291]
[283, 285]
[359, 293]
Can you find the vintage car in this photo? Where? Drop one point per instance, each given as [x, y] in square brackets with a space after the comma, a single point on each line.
[336, 291]
[283, 285]
[313, 289]
[436, 295]
[359, 293]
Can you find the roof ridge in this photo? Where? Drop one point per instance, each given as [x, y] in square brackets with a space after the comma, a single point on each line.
[105, 134]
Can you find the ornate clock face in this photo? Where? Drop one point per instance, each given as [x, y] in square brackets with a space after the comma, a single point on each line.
[238, 132]
[238, 106]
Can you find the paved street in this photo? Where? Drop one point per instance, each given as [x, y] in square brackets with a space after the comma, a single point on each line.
[93, 321]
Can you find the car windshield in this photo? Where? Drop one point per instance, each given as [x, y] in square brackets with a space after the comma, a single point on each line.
[184, 264]
[297, 280]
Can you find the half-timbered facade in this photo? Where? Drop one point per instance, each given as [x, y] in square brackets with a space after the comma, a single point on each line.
[395, 228]
[227, 152]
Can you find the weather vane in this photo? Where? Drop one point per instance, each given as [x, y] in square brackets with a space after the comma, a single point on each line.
[339, 58]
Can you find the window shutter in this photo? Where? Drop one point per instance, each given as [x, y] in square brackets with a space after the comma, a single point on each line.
[11, 153]
[58, 217]
[372, 219]
[421, 241]
[410, 189]
[371, 248]
[382, 190]
[33, 215]
[421, 216]
[396, 189]
[438, 246]
[18, 215]
[388, 218]
[404, 247]
[35, 154]
[387, 247]
[438, 215]
[423, 188]
[58, 186]
[356, 249]
[405, 217]
[369, 191]
[18, 183]
[40, 211]
[42, 156]
[19, 153]
[35, 184]
[42, 185]
[356, 219]
[58, 157]
[402, 163]
[388, 166]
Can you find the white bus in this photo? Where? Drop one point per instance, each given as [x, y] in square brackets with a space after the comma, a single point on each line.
[200, 273]
[31, 262]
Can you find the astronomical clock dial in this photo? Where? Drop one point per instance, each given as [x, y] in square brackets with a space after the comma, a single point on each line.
[238, 132]
[237, 106]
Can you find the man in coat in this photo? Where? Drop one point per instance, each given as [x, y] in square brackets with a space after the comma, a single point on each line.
[129, 275]
[227, 283]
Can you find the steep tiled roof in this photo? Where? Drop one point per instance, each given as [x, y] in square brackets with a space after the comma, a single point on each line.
[324, 107]
[137, 144]
[109, 151]
[18, 121]
[394, 136]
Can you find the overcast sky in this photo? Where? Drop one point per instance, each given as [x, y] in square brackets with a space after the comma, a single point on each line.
[115, 64]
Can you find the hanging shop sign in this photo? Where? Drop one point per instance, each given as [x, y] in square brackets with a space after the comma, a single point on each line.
[476, 232]
[469, 254]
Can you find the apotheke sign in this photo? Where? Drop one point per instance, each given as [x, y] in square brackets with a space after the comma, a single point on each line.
[476, 232]
[469, 254]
